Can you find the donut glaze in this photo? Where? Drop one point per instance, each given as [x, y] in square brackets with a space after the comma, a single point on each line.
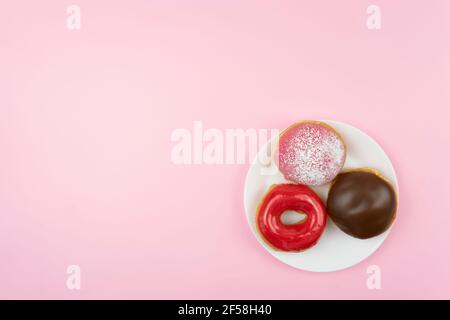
[291, 237]
[362, 203]
[310, 153]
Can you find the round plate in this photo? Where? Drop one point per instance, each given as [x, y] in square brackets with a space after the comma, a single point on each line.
[335, 249]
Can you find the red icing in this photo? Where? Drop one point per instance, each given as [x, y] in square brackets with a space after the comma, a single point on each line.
[293, 237]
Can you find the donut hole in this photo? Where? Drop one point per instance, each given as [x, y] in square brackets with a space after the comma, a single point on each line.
[292, 217]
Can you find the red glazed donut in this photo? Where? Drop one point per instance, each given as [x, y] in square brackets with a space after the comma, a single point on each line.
[294, 237]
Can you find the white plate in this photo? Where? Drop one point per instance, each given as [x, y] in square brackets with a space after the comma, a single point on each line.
[335, 249]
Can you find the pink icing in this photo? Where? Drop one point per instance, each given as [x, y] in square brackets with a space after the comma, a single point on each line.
[310, 153]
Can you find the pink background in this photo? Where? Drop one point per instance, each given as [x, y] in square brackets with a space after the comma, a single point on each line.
[86, 118]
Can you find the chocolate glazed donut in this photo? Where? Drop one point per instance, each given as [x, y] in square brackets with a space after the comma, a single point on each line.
[362, 203]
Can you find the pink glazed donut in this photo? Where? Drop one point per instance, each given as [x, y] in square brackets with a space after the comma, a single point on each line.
[310, 153]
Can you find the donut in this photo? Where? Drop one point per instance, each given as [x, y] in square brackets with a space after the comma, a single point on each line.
[291, 237]
[310, 153]
[362, 203]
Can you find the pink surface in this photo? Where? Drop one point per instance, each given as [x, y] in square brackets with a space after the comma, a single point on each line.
[86, 118]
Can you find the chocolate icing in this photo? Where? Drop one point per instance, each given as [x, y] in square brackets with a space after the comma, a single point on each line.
[362, 204]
